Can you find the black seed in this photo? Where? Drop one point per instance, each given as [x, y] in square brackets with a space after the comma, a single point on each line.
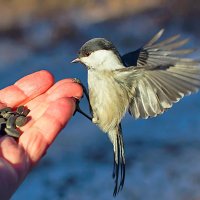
[6, 115]
[2, 120]
[10, 119]
[25, 113]
[13, 113]
[7, 109]
[12, 132]
[20, 109]
[21, 121]
[11, 122]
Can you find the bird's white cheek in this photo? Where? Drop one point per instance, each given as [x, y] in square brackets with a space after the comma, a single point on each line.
[83, 60]
[86, 61]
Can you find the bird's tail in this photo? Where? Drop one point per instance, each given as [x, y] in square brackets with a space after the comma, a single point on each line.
[116, 138]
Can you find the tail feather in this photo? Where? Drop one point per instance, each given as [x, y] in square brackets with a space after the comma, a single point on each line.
[119, 159]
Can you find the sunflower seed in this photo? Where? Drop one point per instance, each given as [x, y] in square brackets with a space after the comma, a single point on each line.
[12, 132]
[6, 115]
[11, 122]
[10, 119]
[20, 109]
[2, 120]
[21, 121]
[6, 109]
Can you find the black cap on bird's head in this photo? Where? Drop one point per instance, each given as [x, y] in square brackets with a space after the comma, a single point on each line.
[93, 45]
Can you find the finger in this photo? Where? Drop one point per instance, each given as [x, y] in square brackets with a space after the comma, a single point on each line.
[73, 89]
[14, 164]
[63, 88]
[26, 88]
[14, 154]
[9, 150]
[42, 133]
[38, 106]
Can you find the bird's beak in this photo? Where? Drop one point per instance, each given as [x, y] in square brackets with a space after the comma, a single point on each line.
[76, 60]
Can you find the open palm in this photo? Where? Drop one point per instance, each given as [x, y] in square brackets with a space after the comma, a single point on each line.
[51, 105]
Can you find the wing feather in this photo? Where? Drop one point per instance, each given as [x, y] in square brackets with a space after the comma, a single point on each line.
[158, 75]
[162, 98]
[156, 90]
[155, 38]
[168, 45]
[159, 53]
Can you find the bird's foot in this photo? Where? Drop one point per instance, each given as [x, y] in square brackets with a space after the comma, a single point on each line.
[78, 109]
[76, 80]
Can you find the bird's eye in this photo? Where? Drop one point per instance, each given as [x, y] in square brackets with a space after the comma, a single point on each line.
[87, 54]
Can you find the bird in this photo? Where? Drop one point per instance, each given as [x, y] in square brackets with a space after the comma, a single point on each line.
[145, 82]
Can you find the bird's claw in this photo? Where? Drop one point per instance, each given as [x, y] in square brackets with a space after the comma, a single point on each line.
[85, 92]
[76, 80]
[78, 109]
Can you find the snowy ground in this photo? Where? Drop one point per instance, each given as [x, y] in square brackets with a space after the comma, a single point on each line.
[162, 153]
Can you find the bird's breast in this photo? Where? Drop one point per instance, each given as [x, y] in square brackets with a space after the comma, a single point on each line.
[108, 99]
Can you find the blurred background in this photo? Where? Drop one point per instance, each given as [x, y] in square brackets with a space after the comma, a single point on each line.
[162, 153]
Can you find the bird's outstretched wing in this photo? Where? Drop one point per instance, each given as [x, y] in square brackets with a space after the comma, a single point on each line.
[156, 53]
[159, 79]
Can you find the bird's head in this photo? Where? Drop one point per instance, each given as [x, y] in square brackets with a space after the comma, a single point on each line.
[98, 53]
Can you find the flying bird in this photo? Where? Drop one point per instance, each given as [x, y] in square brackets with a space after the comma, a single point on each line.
[145, 82]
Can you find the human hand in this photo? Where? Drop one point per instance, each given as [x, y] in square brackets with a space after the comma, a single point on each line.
[51, 106]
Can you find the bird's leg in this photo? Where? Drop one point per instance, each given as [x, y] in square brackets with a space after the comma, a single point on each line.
[86, 95]
[78, 109]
